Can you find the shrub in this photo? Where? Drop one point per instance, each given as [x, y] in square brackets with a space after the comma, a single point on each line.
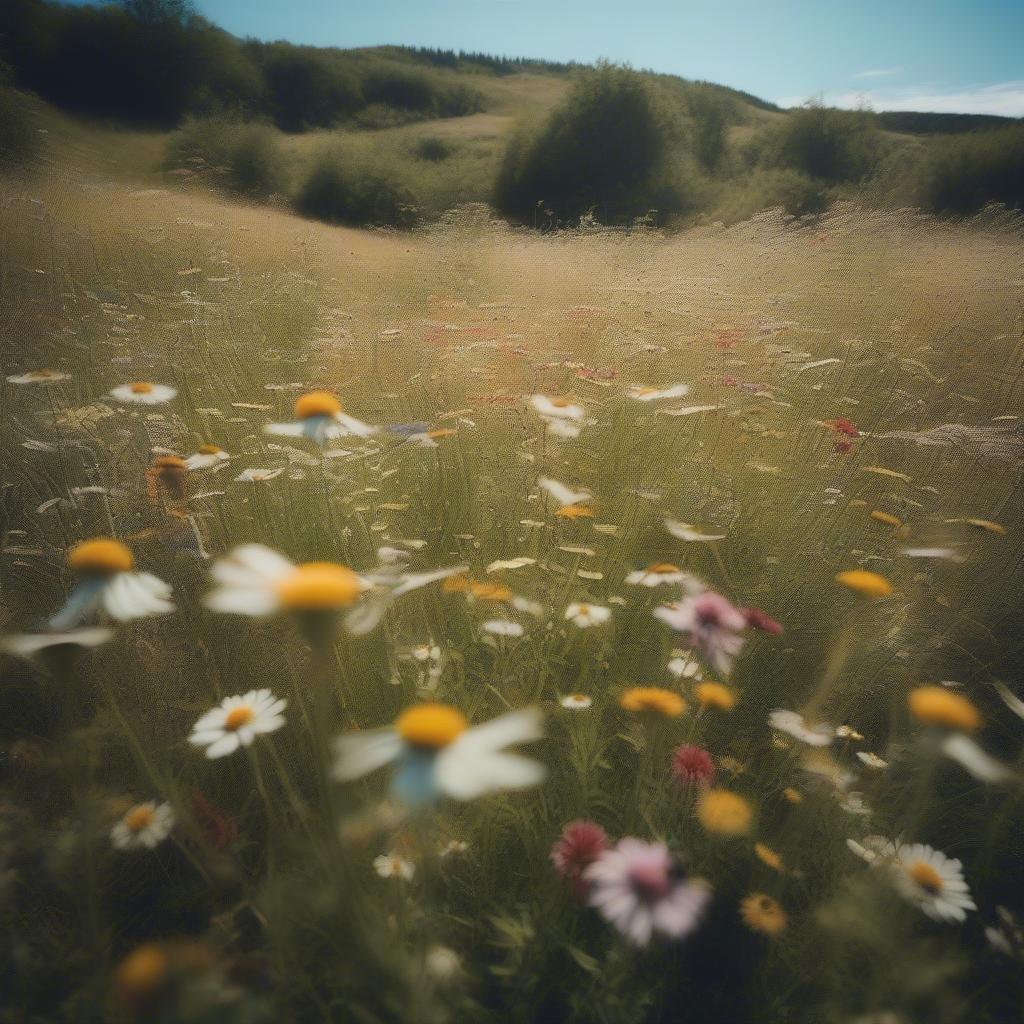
[18, 140]
[600, 151]
[241, 157]
[433, 148]
[337, 191]
[710, 110]
[834, 145]
[961, 174]
[306, 87]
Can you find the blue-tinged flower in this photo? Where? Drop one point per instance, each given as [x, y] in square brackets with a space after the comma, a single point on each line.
[318, 417]
[436, 753]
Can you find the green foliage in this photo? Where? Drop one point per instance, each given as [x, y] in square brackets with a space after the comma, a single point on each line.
[711, 111]
[963, 173]
[821, 142]
[242, 157]
[433, 148]
[339, 191]
[600, 151]
[18, 140]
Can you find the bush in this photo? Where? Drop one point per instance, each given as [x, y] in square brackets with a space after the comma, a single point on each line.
[306, 87]
[599, 151]
[711, 111]
[834, 145]
[433, 148]
[245, 158]
[962, 174]
[18, 140]
[339, 192]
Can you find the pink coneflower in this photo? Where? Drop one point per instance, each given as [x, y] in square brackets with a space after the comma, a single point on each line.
[762, 621]
[714, 626]
[692, 766]
[580, 845]
[640, 889]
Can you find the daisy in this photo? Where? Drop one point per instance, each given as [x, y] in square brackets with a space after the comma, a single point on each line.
[206, 457]
[437, 753]
[428, 438]
[580, 845]
[872, 760]
[563, 494]
[319, 418]
[502, 627]
[657, 574]
[237, 722]
[143, 393]
[585, 615]
[576, 702]
[256, 580]
[392, 865]
[640, 888]
[108, 584]
[685, 667]
[144, 826]
[714, 627]
[761, 913]
[27, 645]
[690, 534]
[648, 394]
[933, 882]
[44, 376]
[255, 476]
[561, 416]
[790, 722]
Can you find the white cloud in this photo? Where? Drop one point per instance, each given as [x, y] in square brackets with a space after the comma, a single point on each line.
[1003, 98]
[878, 73]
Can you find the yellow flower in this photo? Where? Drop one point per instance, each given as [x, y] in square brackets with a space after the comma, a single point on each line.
[100, 555]
[457, 584]
[935, 705]
[318, 586]
[793, 796]
[575, 512]
[724, 813]
[870, 584]
[768, 856]
[761, 913]
[655, 699]
[715, 695]
[431, 725]
[886, 517]
[486, 591]
[316, 403]
[141, 973]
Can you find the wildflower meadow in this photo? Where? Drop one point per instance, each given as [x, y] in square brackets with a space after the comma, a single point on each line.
[468, 625]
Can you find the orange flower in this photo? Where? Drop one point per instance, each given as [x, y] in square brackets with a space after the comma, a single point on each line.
[935, 705]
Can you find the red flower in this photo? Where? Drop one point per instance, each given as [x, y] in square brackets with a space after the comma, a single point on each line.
[692, 766]
[762, 621]
[580, 844]
[844, 446]
[844, 426]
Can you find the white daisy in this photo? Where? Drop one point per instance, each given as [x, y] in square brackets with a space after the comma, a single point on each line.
[237, 722]
[688, 533]
[933, 882]
[563, 494]
[144, 826]
[391, 865]
[502, 627]
[648, 394]
[253, 476]
[108, 584]
[208, 456]
[657, 574]
[143, 393]
[27, 645]
[557, 408]
[319, 418]
[436, 753]
[685, 666]
[576, 701]
[872, 760]
[39, 377]
[585, 615]
[790, 722]
[973, 759]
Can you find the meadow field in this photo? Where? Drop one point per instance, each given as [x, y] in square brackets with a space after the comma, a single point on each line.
[722, 526]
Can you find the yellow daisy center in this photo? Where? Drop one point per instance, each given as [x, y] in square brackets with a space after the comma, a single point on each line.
[169, 462]
[870, 584]
[319, 586]
[763, 914]
[655, 699]
[316, 403]
[441, 432]
[926, 876]
[139, 818]
[575, 512]
[715, 695]
[209, 449]
[141, 387]
[662, 568]
[237, 717]
[490, 591]
[646, 390]
[100, 555]
[724, 813]
[561, 403]
[431, 725]
[935, 705]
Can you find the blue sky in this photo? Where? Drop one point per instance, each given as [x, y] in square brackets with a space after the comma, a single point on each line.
[956, 55]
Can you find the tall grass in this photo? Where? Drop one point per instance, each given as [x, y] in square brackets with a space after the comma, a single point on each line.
[265, 904]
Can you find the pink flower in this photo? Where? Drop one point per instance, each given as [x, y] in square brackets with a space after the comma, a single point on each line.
[692, 766]
[762, 621]
[580, 845]
[714, 625]
[639, 888]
